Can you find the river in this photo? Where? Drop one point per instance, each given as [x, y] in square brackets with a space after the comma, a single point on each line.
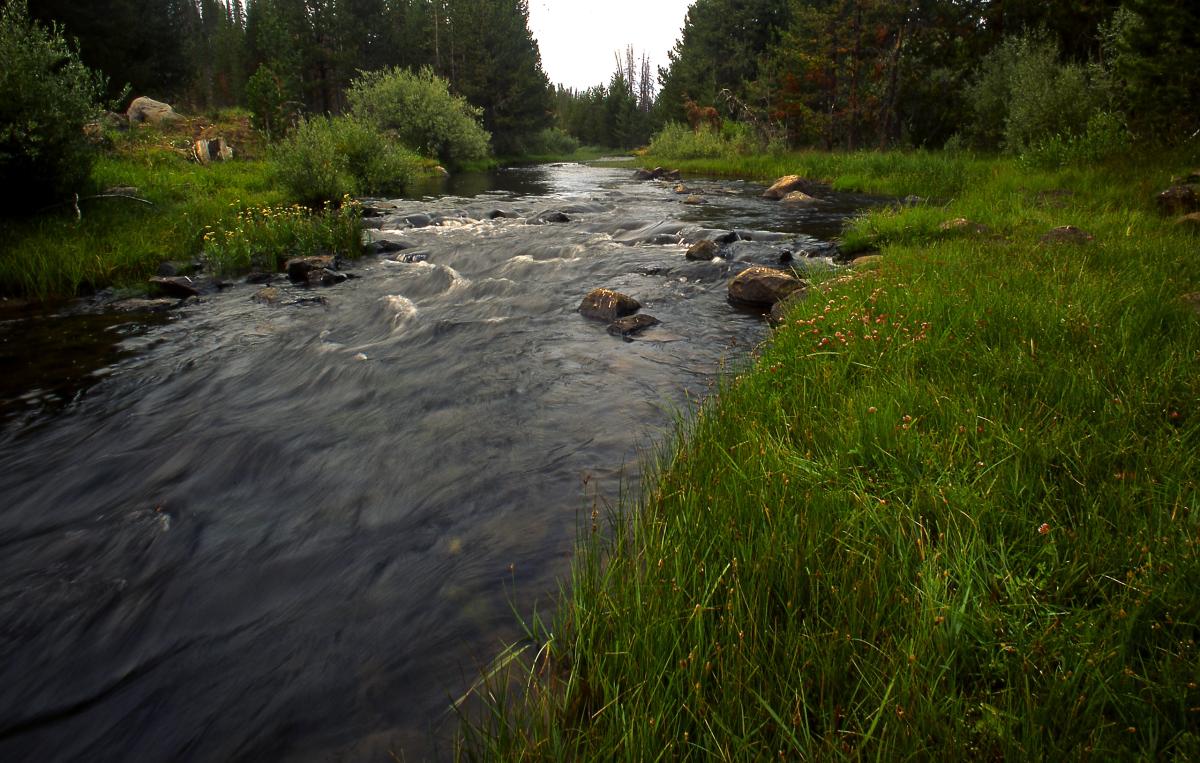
[248, 531]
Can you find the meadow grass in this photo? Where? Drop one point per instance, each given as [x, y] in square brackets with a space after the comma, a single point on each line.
[948, 511]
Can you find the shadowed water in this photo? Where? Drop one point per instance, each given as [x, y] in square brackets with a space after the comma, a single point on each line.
[253, 531]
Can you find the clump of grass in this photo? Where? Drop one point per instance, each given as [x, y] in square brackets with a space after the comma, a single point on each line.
[264, 237]
[951, 512]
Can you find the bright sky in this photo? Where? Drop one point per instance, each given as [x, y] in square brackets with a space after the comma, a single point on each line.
[578, 37]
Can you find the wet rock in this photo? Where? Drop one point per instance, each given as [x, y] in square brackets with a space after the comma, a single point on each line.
[695, 199]
[419, 220]
[1066, 234]
[549, 216]
[672, 175]
[386, 246]
[798, 197]
[496, 214]
[632, 324]
[1190, 222]
[325, 277]
[786, 257]
[268, 295]
[728, 238]
[781, 308]
[372, 223]
[1178, 199]
[658, 173]
[608, 305]
[412, 257]
[681, 189]
[643, 174]
[180, 287]
[143, 305]
[260, 278]
[149, 111]
[298, 268]
[785, 185]
[703, 251]
[763, 287]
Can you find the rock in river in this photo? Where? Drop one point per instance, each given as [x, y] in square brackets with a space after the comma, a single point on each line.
[298, 268]
[608, 305]
[763, 287]
[632, 324]
[703, 251]
[785, 185]
[180, 287]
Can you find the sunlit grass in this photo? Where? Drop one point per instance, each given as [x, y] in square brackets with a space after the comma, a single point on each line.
[950, 510]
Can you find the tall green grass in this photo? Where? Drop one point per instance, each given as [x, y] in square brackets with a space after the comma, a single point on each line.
[950, 511]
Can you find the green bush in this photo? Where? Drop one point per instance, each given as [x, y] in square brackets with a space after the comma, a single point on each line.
[1023, 96]
[553, 141]
[264, 237]
[1105, 137]
[327, 159]
[418, 108]
[46, 97]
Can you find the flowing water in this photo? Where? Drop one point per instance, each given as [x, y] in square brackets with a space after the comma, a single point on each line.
[248, 531]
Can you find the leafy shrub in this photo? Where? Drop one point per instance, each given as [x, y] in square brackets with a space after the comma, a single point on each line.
[327, 159]
[553, 141]
[264, 237]
[418, 108]
[678, 141]
[1023, 96]
[46, 97]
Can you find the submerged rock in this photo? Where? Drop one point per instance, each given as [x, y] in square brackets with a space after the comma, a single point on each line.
[703, 251]
[763, 287]
[386, 246]
[325, 277]
[695, 199]
[608, 305]
[549, 216]
[632, 324]
[268, 295]
[143, 305]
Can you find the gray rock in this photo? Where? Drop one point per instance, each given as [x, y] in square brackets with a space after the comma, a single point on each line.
[695, 199]
[549, 216]
[763, 287]
[260, 278]
[386, 246]
[325, 277]
[419, 220]
[608, 305]
[149, 111]
[785, 185]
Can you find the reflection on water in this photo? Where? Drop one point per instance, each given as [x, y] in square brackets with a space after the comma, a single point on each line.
[294, 530]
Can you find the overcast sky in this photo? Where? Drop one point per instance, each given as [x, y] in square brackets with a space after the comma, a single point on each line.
[578, 37]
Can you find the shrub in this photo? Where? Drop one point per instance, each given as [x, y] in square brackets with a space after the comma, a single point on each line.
[553, 141]
[326, 159]
[46, 97]
[418, 108]
[1105, 137]
[678, 141]
[1023, 96]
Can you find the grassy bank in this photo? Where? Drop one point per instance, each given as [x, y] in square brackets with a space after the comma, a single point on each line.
[951, 511]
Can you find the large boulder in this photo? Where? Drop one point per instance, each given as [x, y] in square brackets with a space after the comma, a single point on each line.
[763, 287]
[785, 185]
[149, 111]
[608, 305]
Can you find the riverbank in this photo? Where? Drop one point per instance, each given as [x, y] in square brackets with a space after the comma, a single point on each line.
[949, 511]
[150, 202]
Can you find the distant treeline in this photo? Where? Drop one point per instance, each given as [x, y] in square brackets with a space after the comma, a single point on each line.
[206, 53]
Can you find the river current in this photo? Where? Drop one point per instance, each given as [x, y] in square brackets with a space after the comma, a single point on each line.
[296, 530]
